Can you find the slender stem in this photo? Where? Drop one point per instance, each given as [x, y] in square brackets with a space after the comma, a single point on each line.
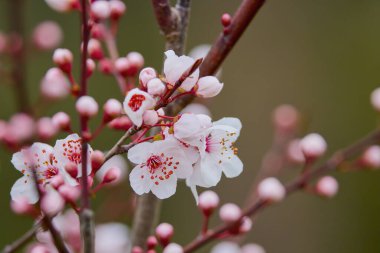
[298, 184]
[19, 55]
[86, 215]
[23, 240]
[116, 149]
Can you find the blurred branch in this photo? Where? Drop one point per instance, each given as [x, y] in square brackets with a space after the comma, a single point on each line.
[298, 184]
[223, 45]
[23, 240]
[86, 214]
[18, 54]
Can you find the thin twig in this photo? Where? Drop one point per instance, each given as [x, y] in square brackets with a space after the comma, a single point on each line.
[86, 215]
[298, 184]
[19, 55]
[23, 240]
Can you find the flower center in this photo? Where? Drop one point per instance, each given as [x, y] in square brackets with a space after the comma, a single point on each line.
[211, 144]
[153, 163]
[50, 172]
[136, 101]
[75, 158]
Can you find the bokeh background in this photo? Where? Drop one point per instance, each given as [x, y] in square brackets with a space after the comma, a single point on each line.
[321, 56]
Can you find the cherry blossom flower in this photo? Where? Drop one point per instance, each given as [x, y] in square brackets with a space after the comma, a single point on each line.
[216, 147]
[159, 165]
[69, 150]
[136, 103]
[175, 66]
[39, 158]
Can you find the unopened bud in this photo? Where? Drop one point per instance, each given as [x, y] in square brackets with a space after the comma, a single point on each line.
[69, 193]
[64, 59]
[87, 106]
[375, 99]
[208, 201]
[94, 49]
[90, 67]
[52, 203]
[122, 66]
[371, 157]
[313, 146]
[121, 123]
[47, 35]
[105, 66]
[246, 225]
[209, 86]
[61, 120]
[21, 206]
[164, 233]
[252, 248]
[146, 75]
[271, 189]
[151, 242]
[230, 213]
[173, 248]
[285, 118]
[112, 109]
[156, 87]
[295, 153]
[150, 117]
[100, 9]
[327, 187]
[112, 175]
[97, 160]
[117, 9]
[72, 169]
[226, 19]
[136, 61]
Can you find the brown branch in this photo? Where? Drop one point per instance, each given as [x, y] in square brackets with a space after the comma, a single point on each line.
[298, 184]
[86, 214]
[18, 55]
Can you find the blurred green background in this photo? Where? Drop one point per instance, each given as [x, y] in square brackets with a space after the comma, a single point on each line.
[321, 56]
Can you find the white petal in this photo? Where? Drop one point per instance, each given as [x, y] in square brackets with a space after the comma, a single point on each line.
[211, 173]
[139, 179]
[193, 189]
[165, 189]
[205, 120]
[232, 168]
[24, 187]
[230, 121]
[187, 126]
[140, 153]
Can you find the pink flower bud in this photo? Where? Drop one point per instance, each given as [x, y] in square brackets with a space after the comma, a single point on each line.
[208, 201]
[252, 248]
[295, 153]
[271, 189]
[45, 128]
[69, 193]
[121, 123]
[230, 212]
[164, 233]
[97, 160]
[122, 66]
[100, 9]
[47, 35]
[52, 203]
[117, 8]
[87, 106]
[112, 175]
[285, 118]
[173, 248]
[226, 247]
[56, 181]
[98, 31]
[313, 146]
[61, 120]
[62, 5]
[246, 225]
[64, 59]
[94, 49]
[55, 85]
[90, 67]
[112, 108]
[156, 87]
[39, 247]
[327, 187]
[371, 157]
[226, 19]
[105, 66]
[21, 127]
[146, 75]
[72, 169]
[136, 61]
[137, 249]
[151, 242]
[150, 117]
[375, 99]
[21, 206]
[208, 86]
[196, 108]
